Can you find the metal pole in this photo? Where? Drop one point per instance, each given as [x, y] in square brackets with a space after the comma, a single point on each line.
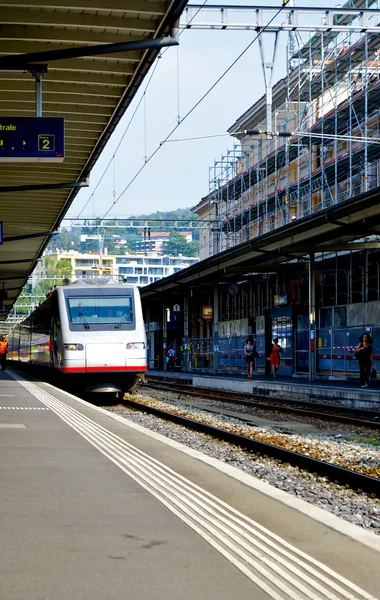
[215, 323]
[164, 333]
[366, 186]
[312, 332]
[322, 114]
[38, 77]
[185, 366]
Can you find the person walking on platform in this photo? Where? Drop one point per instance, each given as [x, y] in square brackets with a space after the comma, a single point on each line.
[249, 356]
[364, 355]
[274, 357]
[3, 352]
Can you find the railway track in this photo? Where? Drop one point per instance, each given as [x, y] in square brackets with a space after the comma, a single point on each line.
[324, 412]
[341, 475]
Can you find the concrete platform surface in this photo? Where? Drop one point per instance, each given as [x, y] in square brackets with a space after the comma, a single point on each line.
[96, 507]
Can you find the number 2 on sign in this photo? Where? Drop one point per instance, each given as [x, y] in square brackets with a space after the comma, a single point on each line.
[46, 142]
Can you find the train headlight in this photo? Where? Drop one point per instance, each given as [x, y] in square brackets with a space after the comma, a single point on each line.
[136, 346]
[73, 346]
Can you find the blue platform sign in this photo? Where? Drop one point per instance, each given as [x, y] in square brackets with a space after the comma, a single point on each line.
[32, 139]
[1, 233]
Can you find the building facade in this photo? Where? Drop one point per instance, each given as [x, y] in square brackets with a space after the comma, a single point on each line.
[324, 151]
[137, 269]
[325, 146]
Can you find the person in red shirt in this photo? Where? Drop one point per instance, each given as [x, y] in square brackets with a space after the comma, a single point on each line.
[3, 352]
[274, 357]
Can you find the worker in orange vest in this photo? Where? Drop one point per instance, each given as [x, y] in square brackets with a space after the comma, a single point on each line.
[3, 352]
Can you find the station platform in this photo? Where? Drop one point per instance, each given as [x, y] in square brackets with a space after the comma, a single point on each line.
[96, 507]
[338, 392]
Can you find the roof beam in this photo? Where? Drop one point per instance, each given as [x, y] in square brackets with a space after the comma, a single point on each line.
[31, 168]
[252, 269]
[42, 35]
[28, 87]
[99, 79]
[151, 8]
[15, 52]
[89, 20]
[52, 98]
[87, 65]
[16, 238]
[318, 248]
[19, 260]
[66, 109]
[30, 178]
[41, 186]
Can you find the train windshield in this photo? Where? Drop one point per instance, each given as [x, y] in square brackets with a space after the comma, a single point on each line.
[101, 310]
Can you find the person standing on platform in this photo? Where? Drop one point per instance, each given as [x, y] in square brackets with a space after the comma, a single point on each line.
[3, 352]
[364, 355]
[274, 357]
[249, 356]
[171, 356]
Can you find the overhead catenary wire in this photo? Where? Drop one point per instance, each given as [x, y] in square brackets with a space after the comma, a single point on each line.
[191, 110]
[160, 55]
[285, 134]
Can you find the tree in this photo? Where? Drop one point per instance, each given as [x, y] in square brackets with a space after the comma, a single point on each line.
[178, 245]
[55, 271]
[69, 238]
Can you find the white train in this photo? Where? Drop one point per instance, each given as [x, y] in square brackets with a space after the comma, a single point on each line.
[92, 333]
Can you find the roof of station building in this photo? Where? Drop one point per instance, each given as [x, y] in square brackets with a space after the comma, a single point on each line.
[351, 225]
[92, 93]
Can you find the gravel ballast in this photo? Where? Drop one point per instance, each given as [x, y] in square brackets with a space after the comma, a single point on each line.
[357, 508]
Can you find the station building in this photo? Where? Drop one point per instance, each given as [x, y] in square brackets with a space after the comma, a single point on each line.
[292, 250]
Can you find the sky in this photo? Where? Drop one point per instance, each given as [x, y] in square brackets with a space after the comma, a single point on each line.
[178, 175]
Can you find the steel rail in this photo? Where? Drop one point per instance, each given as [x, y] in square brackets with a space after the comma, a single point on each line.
[249, 400]
[341, 475]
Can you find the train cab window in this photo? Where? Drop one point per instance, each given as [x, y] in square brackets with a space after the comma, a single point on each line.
[90, 311]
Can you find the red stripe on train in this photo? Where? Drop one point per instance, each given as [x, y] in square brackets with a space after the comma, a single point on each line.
[102, 369]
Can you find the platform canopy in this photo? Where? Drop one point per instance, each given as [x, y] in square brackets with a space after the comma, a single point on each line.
[353, 225]
[92, 56]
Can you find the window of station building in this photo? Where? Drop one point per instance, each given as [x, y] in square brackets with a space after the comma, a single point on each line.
[328, 285]
[340, 316]
[153, 261]
[157, 271]
[144, 280]
[342, 282]
[121, 261]
[303, 289]
[325, 317]
[358, 270]
[373, 277]
[139, 270]
[133, 280]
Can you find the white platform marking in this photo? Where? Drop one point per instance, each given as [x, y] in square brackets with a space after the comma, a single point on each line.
[11, 426]
[23, 408]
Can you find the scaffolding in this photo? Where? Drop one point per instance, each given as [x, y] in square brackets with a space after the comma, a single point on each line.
[320, 144]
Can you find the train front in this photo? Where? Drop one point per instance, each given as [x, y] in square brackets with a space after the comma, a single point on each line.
[100, 338]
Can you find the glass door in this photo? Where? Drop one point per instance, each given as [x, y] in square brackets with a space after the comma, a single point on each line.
[282, 328]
